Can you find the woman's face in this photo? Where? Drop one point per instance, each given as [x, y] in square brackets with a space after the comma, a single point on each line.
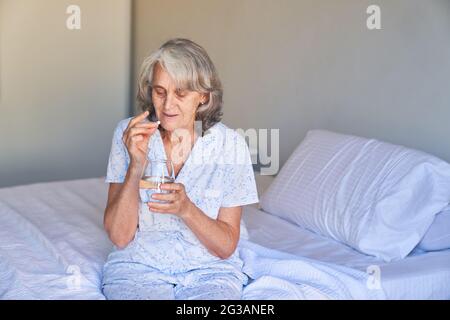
[174, 107]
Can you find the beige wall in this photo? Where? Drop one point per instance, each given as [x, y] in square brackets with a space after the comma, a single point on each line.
[288, 64]
[62, 92]
[303, 64]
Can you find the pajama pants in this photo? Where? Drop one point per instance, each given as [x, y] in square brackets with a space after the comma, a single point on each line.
[200, 284]
[167, 267]
[164, 265]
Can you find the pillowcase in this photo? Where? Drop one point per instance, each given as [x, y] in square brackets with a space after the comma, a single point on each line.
[437, 236]
[376, 197]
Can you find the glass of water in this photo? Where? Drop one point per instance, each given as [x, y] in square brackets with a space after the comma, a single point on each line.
[157, 172]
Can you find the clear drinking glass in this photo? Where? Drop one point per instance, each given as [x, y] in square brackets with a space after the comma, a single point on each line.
[157, 172]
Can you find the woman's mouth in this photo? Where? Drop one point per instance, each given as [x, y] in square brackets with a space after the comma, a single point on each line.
[170, 116]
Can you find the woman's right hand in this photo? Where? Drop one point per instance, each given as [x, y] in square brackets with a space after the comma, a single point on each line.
[136, 137]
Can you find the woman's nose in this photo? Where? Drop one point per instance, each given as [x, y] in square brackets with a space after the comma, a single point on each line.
[167, 102]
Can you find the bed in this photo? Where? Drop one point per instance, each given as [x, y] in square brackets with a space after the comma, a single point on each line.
[422, 275]
[52, 246]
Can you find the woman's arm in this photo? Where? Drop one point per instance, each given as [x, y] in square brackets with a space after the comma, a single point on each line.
[122, 211]
[219, 236]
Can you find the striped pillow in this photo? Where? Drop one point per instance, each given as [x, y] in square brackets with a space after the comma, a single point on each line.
[376, 197]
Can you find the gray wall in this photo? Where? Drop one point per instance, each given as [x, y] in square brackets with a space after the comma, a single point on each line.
[303, 64]
[61, 92]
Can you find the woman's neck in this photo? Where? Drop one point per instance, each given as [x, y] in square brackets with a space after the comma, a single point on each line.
[179, 136]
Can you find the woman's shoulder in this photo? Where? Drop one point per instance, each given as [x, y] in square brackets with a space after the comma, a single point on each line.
[226, 136]
[222, 130]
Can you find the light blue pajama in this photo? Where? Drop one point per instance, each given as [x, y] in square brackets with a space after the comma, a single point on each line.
[166, 260]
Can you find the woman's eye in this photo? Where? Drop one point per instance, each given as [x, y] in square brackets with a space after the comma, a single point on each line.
[181, 93]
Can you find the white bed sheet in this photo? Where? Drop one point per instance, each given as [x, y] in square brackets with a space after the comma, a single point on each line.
[52, 246]
[422, 275]
[52, 243]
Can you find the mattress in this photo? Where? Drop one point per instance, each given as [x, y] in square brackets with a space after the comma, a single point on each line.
[53, 246]
[422, 275]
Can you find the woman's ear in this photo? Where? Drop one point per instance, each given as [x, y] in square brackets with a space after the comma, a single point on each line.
[204, 99]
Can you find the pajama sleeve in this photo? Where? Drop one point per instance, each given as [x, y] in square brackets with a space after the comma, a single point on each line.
[118, 158]
[239, 180]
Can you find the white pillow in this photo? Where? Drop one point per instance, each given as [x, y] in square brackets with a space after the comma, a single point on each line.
[376, 197]
[437, 236]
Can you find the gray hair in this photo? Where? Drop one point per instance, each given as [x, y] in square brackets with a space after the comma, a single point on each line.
[192, 69]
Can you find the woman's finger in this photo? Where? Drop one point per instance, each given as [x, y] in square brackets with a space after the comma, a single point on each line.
[159, 207]
[149, 125]
[165, 196]
[137, 138]
[172, 186]
[140, 131]
[137, 119]
[144, 125]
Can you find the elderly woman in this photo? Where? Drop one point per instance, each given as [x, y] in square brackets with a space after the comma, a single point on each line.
[184, 246]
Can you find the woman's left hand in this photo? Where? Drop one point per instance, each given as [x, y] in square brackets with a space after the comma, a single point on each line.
[178, 202]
